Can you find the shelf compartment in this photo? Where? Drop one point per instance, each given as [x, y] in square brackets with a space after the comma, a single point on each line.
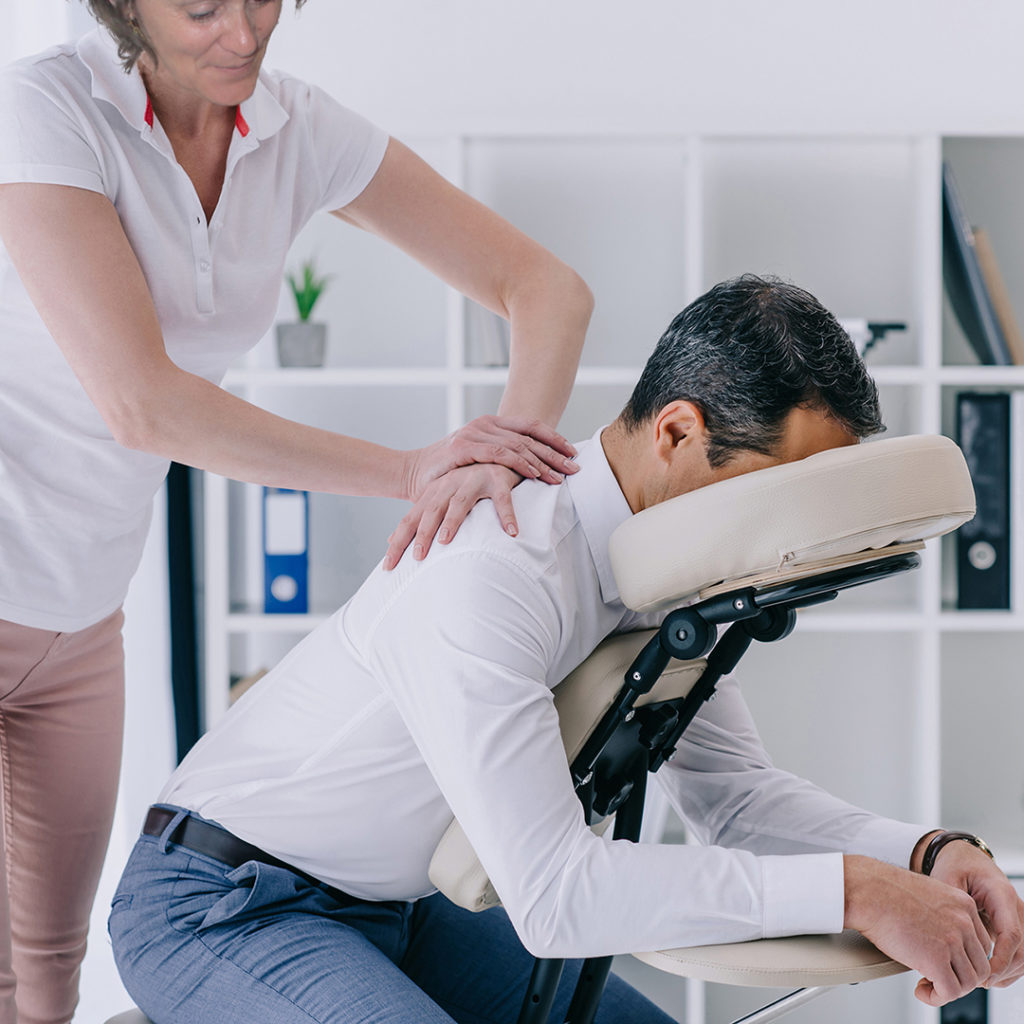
[825, 701]
[982, 769]
[780, 205]
[614, 210]
[988, 173]
[250, 622]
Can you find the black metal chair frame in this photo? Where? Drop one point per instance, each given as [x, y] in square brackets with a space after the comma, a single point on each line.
[610, 772]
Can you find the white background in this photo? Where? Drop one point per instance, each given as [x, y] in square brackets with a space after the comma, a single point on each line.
[420, 67]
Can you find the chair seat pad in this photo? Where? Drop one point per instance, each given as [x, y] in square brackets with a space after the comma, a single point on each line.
[800, 961]
[774, 521]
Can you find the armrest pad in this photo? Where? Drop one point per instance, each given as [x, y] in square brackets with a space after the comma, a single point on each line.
[800, 961]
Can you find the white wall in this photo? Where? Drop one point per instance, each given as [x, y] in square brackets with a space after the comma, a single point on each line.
[744, 65]
[728, 65]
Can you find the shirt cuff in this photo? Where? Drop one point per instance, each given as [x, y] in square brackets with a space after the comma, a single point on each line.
[891, 841]
[803, 894]
[50, 174]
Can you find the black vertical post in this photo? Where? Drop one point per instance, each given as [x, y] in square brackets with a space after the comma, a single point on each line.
[541, 991]
[181, 577]
[595, 970]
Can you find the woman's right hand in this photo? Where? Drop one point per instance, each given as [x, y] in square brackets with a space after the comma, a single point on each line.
[485, 459]
[527, 446]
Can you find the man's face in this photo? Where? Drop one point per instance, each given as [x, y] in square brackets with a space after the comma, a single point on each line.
[806, 431]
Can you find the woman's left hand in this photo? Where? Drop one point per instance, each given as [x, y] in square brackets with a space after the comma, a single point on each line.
[528, 446]
[446, 502]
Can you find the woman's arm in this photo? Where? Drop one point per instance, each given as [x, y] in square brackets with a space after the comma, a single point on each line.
[82, 275]
[547, 304]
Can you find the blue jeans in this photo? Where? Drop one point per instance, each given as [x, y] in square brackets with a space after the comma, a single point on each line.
[197, 942]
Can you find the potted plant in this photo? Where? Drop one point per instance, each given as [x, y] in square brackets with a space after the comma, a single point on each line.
[303, 342]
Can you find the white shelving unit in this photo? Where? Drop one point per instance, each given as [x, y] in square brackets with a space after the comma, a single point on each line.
[890, 698]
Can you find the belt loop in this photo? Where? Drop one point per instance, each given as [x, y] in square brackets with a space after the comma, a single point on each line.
[165, 836]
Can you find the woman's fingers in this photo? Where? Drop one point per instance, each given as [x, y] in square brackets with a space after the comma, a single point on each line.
[488, 440]
[507, 440]
[443, 507]
[401, 537]
[501, 497]
[539, 431]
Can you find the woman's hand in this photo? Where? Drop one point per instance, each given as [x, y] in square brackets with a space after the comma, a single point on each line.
[529, 447]
[446, 502]
[484, 459]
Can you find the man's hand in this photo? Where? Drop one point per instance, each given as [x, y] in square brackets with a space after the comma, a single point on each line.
[930, 926]
[967, 868]
[446, 503]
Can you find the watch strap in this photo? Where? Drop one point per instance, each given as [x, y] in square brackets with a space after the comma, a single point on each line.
[943, 839]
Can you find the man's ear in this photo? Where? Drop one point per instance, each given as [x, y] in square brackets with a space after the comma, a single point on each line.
[679, 429]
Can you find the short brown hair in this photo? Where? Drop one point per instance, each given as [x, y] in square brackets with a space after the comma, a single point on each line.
[119, 19]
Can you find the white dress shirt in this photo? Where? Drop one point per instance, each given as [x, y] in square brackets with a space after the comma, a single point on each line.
[429, 694]
[75, 505]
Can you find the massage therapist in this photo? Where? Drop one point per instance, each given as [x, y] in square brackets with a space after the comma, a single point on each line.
[152, 180]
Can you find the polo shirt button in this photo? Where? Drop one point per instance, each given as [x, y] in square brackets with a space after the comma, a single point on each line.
[204, 266]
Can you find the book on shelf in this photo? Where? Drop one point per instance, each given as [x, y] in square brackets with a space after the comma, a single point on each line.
[969, 1009]
[965, 283]
[285, 551]
[983, 544]
[1017, 503]
[999, 295]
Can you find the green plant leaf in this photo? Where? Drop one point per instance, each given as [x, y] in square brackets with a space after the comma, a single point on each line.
[307, 290]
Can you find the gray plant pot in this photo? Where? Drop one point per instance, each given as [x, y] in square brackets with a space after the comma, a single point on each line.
[301, 344]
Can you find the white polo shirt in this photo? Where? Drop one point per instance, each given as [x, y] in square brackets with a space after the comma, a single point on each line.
[429, 694]
[74, 505]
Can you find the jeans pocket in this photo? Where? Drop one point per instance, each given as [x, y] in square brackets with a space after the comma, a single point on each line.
[122, 901]
[259, 890]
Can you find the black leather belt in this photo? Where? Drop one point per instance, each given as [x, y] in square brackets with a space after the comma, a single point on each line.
[218, 843]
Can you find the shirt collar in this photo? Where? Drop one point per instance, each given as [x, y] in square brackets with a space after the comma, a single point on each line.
[601, 507]
[258, 117]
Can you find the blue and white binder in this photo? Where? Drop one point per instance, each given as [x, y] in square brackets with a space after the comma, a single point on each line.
[285, 551]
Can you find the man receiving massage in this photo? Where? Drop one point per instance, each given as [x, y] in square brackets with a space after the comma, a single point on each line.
[428, 695]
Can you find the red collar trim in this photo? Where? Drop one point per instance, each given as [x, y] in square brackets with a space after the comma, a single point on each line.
[240, 122]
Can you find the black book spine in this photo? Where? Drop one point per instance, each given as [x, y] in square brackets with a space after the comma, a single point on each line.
[983, 544]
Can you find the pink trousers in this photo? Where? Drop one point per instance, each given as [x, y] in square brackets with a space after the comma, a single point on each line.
[61, 722]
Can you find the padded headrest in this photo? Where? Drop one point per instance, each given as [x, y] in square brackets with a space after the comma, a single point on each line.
[772, 522]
